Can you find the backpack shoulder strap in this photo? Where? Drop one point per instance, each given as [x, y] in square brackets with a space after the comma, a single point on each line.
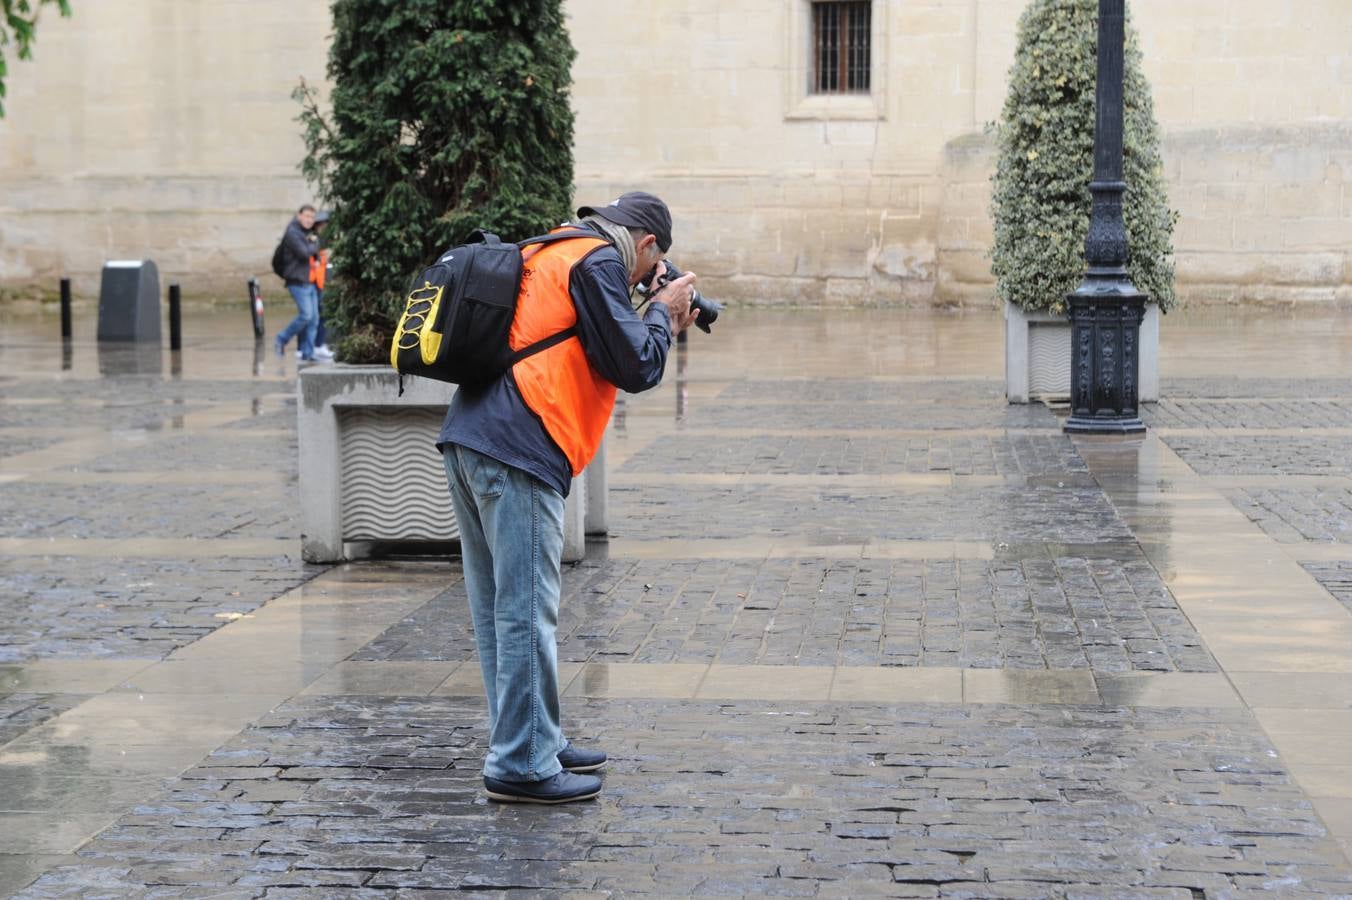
[559, 337]
[557, 236]
[541, 345]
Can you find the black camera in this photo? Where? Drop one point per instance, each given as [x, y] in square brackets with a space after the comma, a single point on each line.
[708, 309]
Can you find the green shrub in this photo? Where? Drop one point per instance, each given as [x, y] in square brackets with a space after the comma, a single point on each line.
[447, 115]
[1041, 201]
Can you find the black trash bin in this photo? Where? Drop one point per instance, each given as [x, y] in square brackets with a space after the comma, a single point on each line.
[129, 301]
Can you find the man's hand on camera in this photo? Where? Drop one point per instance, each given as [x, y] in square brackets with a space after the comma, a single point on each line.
[676, 296]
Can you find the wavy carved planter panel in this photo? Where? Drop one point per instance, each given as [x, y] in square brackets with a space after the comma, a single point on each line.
[1049, 360]
[393, 482]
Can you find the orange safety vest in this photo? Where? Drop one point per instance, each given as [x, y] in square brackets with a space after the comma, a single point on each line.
[319, 268]
[559, 384]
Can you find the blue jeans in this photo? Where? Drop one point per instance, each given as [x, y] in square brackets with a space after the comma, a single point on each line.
[306, 322]
[511, 539]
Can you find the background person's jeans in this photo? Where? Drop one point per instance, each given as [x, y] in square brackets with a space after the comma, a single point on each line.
[511, 538]
[306, 322]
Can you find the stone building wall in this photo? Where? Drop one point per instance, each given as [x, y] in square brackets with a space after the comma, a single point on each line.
[156, 128]
[165, 128]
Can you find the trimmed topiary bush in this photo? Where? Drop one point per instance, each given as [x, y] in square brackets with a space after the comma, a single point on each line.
[447, 115]
[1041, 201]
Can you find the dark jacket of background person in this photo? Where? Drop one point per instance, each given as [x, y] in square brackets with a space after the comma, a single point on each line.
[298, 245]
[628, 351]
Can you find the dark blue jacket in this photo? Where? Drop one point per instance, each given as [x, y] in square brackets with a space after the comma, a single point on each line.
[298, 245]
[628, 351]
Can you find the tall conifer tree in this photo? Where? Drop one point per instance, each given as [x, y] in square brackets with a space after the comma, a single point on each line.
[447, 115]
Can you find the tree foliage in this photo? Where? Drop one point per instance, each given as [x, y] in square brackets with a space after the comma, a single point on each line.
[18, 24]
[1041, 201]
[446, 116]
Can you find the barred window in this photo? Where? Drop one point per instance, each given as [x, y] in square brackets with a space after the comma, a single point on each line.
[841, 48]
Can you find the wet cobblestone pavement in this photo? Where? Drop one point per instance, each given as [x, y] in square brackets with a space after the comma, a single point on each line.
[860, 629]
[935, 415]
[152, 451]
[94, 608]
[1277, 412]
[797, 455]
[1249, 385]
[1062, 614]
[1336, 579]
[21, 711]
[741, 799]
[843, 391]
[95, 510]
[1292, 516]
[1292, 454]
[1007, 513]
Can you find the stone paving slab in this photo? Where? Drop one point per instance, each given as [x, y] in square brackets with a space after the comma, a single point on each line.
[1012, 514]
[1265, 454]
[1298, 515]
[733, 799]
[90, 608]
[1036, 614]
[1033, 454]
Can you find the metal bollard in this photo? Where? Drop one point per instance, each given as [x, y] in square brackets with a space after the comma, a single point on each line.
[65, 309]
[256, 307]
[175, 318]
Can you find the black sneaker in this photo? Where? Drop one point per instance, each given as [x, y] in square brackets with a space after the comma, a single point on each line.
[575, 759]
[564, 787]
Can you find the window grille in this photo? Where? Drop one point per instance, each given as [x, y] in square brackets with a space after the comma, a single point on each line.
[841, 48]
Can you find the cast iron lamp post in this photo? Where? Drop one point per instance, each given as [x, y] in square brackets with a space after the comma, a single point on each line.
[1106, 309]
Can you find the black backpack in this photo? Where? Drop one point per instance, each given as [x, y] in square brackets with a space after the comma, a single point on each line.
[458, 316]
[279, 259]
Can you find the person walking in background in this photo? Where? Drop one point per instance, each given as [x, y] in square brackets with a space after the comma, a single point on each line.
[298, 245]
[319, 270]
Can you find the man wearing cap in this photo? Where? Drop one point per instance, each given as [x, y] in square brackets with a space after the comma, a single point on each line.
[511, 449]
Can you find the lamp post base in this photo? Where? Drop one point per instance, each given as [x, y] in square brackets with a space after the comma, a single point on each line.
[1104, 425]
[1105, 321]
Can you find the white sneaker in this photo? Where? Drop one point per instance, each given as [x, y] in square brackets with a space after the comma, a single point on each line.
[323, 352]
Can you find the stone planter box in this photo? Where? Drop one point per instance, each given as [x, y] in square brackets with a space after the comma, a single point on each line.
[1037, 355]
[371, 476]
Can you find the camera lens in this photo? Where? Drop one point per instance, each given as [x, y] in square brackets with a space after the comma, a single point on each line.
[708, 312]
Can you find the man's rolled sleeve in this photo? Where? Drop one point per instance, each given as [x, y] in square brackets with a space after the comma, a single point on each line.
[629, 352]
